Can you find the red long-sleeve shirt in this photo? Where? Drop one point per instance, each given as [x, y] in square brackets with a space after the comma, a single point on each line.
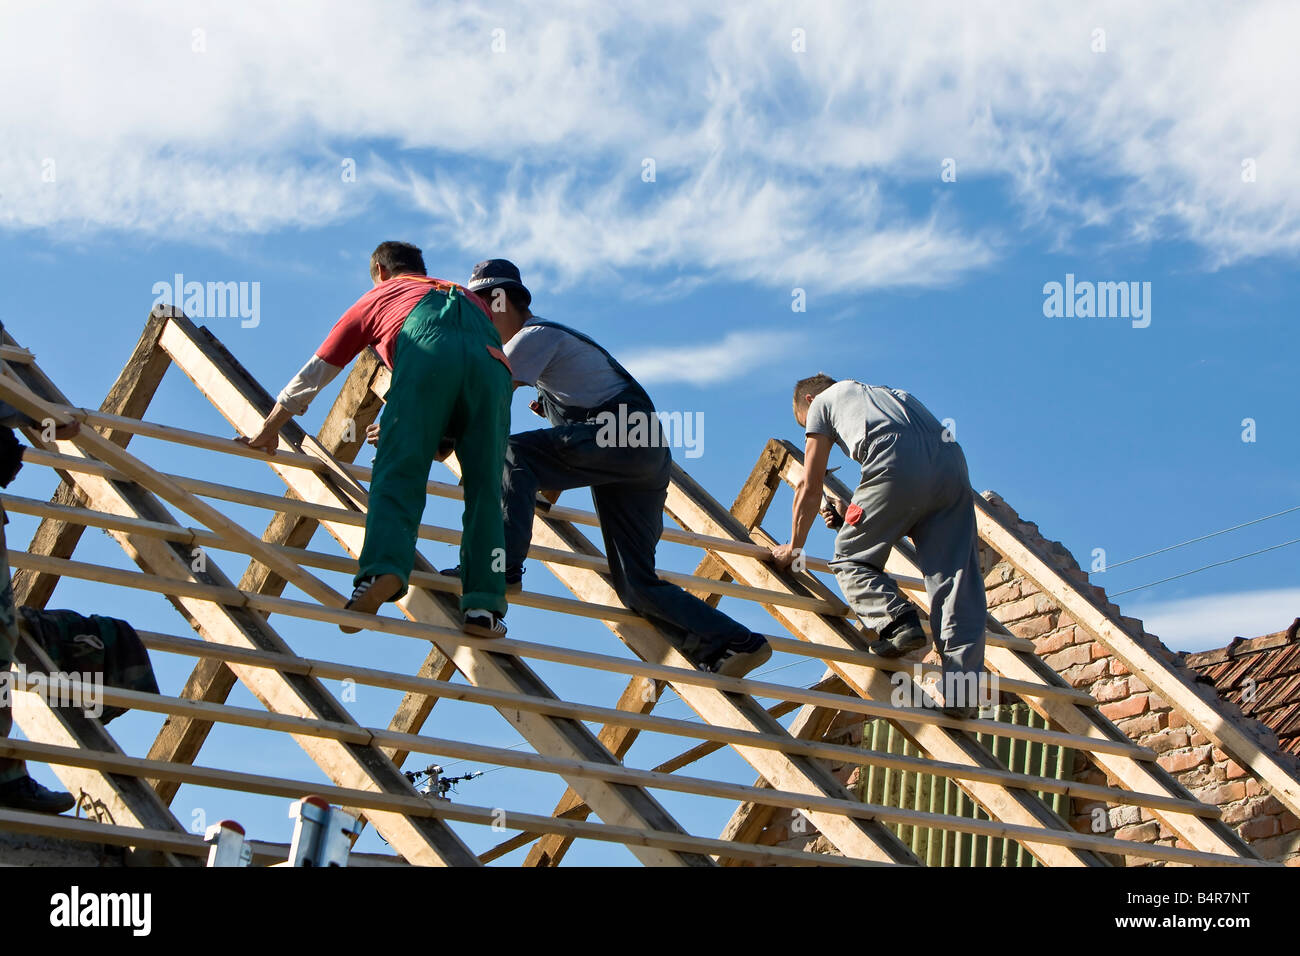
[374, 319]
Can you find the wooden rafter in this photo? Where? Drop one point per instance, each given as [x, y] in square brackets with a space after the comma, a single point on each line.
[110, 488]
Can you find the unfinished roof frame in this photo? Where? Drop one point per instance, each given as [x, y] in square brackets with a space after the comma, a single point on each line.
[105, 486]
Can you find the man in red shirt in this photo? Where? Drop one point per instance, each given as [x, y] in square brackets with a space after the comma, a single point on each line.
[451, 383]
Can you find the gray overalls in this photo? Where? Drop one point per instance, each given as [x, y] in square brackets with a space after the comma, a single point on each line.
[629, 486]
[915, 483]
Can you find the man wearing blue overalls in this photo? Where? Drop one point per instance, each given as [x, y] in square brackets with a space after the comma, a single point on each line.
[581, 390]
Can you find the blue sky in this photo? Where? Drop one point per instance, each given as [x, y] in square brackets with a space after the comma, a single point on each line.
[1160, 152]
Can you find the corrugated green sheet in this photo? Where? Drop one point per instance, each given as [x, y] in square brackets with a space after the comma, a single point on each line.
[919, 791]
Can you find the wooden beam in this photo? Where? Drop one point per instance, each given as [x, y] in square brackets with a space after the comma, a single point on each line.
[641, 694]
[693, 509]
[750, 819]
[348, 764]
[343, 432]
[124, 800]
[1197, 702]
[238, 397]
[392, 803]
[1140, 776]
[858, 838]
[130, 396]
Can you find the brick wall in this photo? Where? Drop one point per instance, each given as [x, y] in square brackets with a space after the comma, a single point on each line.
[1260, 819]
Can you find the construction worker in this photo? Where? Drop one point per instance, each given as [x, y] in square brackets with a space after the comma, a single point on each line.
[914, 482]
[450, 384]
[18, 791]
[582, 390]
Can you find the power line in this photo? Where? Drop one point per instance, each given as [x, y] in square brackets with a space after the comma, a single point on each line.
[1216, 564]
[1204, 537]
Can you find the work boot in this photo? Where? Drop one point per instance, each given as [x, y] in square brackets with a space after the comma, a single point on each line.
[369, 595]
[25, 793]
[514, 578]
[740, 657]
[483, 623]
[960, 711]
[901, 636]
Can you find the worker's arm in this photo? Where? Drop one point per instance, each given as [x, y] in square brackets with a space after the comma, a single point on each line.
[807, 498]
[344, 343]
[268, 436]
[293, 400]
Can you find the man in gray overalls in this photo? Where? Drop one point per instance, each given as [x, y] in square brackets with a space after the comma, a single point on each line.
[581, 389]
[914, 482]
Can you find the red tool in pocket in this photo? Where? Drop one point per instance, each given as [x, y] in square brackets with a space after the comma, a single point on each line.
[852, 514]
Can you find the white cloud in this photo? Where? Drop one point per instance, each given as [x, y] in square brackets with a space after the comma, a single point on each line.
[738, 354]
[1203, 623]
[773, 167]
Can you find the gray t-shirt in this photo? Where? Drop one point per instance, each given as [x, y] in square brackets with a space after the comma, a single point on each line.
[853, 415]
[567, 367]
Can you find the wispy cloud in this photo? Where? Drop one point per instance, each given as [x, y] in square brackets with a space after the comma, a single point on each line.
[735, 356]
[772, 166]
[1202, 623]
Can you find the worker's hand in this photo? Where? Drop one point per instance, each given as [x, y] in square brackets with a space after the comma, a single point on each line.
[70, 430]
[264, 440]
[832, 512]
[372, 434]
[784, 555]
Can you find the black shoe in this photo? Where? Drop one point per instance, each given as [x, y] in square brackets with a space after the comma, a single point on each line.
[369, 596]
[484, 623]
[740, 657]
[26, 794]
[514, 577]
[901, 636]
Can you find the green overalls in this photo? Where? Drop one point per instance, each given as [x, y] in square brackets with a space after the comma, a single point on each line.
[447, 381]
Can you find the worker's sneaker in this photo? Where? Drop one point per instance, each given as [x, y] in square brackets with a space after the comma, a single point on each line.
[899, 637]
[26, 794]
[514, 578]
[369, 595]
[740, 657]
[483, 623]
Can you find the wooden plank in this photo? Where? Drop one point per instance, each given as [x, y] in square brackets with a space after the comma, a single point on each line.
[1209, 835]
[130, 396]
[343, 432]
[641, 694]
[1197, 702]
[750, 819]
[693, 509]
[556, 653]
[125, 800]
[348, 764]
[858, 838]
[716, 737]
[794, 801]
[238, 397]
[417, 807]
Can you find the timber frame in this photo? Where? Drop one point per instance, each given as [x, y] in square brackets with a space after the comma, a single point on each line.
[106, 486]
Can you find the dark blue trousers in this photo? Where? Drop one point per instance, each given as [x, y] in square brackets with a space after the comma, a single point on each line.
[628, 486]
